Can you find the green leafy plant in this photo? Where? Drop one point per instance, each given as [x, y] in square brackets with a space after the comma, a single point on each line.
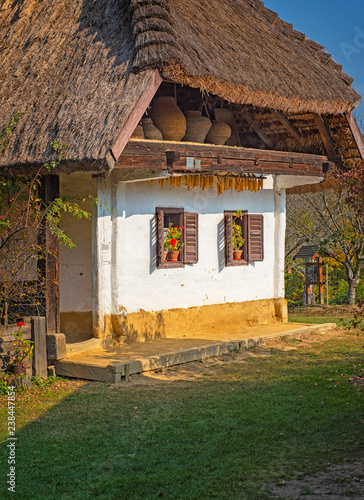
[238, 240]
[357, 322]
[22, 348]
[24, 220]
[8, 130]
[172, 239]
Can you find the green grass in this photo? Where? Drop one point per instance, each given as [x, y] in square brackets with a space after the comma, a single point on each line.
[253, 419]
[341, 315]
[296, 318]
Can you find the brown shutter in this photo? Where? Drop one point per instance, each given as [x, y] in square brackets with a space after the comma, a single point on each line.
[190, 249]
[255, 237]
[159, 215]
[229, 238]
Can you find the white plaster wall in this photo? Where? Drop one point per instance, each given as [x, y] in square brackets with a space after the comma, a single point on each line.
[76, 289]
[137, 284]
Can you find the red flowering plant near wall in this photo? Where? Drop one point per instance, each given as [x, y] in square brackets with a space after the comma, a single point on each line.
[22, 348]
[172, 238]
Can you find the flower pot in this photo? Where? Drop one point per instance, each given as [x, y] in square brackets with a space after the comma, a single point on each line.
[197, 127]
[165, 255]
[237, 254]
[151, 131]
[18, 369]
[170, 120]
[218, 134]
[172, 256]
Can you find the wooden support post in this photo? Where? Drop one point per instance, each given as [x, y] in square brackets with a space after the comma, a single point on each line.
[250, 119]
[38, 329]
[327, 284]
[325, 136]
[321, 282]
[358, 137]
[287, 124]
[48, 266]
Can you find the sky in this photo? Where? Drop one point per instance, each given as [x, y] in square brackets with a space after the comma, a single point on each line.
[338, 25]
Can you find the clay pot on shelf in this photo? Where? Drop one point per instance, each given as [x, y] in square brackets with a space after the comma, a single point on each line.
[172, 256]
[170, 120]
[18, 369]
[197, 126]
[151, 131]
[138, 133]
[218, 134]
[237, 254]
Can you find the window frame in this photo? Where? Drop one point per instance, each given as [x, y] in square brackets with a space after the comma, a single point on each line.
[228, 219]
[249, 233]
[160, 212]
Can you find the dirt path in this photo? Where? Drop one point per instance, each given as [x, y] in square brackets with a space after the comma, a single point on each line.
[336, 483]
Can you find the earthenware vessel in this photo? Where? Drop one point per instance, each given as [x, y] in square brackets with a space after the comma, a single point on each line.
[151, 131]
[197, 126]
[167, 116]
[218, 134]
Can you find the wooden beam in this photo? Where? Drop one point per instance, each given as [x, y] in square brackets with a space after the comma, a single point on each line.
[39, 337]
[145, 148]
[287, 124]
[325, 136]
[358, 136]
[136, 114]
[207, 165]
[48, 267]
[250, 119]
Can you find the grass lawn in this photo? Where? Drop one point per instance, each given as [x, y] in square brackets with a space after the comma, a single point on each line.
[341, 315]
[219, 429]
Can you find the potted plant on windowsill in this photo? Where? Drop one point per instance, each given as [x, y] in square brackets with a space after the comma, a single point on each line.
[172, 242]
[22, 349]
[238, 240]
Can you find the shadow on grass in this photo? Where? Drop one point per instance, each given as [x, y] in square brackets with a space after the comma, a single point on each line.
[258, 420]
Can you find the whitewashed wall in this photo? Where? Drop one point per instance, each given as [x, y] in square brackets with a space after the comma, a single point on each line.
[129, 275]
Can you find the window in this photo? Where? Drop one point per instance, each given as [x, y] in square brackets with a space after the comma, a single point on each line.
[177, 217]
[253, 234]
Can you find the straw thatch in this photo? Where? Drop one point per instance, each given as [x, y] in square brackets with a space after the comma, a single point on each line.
[78, 67]
[242, 52]
[67, 64]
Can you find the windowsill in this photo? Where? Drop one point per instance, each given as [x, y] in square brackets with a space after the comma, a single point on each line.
[171, 265]
[238, 263]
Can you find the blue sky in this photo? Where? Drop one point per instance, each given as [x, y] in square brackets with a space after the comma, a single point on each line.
[338, 25]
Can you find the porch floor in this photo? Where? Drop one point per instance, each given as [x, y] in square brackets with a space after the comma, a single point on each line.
[110, 364]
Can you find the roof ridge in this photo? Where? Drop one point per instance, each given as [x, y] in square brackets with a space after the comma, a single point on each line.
[152, 31]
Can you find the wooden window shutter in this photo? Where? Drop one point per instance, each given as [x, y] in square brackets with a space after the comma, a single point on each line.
[159, 214]
[229, 238]
[255, 237]
[190, 249]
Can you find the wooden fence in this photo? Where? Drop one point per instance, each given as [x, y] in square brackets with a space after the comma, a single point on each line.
[35, 330]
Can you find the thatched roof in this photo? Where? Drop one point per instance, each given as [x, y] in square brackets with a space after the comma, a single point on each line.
[78, 67]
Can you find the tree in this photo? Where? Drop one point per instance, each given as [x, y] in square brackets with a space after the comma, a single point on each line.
[23, 220]
[332, 220]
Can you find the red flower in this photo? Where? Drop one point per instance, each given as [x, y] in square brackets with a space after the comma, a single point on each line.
[182, 227]
[173, 242]
[21, 323]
